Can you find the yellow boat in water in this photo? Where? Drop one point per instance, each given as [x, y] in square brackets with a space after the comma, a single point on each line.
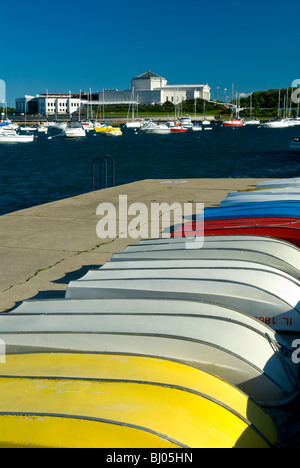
[108, 129]
[122, 401]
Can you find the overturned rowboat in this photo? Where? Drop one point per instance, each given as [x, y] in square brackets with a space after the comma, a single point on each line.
[259, 293]
[270, 208]
[145, 402]
[236, 350]
[194, 264]
[287, 230]
[272, 252]
[288, 182]
[276, 194]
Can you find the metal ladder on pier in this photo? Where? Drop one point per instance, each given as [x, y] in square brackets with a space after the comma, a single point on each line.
[103, 178]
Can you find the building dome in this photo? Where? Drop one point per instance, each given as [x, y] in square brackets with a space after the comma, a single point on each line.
[148, 81]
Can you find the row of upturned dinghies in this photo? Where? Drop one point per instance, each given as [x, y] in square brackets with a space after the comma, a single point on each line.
[165, 346]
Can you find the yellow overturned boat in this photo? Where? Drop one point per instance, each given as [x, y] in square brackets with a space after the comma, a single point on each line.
[121, 401]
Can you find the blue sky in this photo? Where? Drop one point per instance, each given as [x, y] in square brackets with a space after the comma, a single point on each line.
[73, 45]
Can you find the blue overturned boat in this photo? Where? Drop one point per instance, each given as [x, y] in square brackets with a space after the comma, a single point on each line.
[270, 209]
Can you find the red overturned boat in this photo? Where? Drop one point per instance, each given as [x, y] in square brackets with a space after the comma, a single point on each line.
[287, 229]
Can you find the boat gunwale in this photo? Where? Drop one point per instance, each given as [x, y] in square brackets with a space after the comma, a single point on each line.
[173, 337]
[72, 285]
[158, 384]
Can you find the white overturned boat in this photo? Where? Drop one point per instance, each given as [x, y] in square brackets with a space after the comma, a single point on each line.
[263, 195]
[268, 251]
[268, 191]
[265, 295]
[289, 182]
[196, 264]
[235, 347]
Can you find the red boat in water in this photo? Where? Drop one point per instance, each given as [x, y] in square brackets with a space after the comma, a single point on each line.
[234, 123]
[287, 229]
[178, 129]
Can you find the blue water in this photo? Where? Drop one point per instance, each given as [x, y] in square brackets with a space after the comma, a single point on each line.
[51, 169]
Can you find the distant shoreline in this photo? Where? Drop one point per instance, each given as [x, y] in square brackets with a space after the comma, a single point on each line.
[34, 119]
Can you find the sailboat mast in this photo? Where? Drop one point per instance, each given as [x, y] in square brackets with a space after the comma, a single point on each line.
[79, 105]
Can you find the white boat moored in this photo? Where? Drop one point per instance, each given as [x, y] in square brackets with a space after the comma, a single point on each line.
[42, 128]
[74, 130]
[11, 136]
[154, 128]
[186, 122]
[87, 125]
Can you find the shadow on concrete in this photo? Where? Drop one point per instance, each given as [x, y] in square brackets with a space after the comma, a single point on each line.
[58, 293]
[75, 275]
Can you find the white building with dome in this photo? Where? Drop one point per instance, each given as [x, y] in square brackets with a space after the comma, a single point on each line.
[150, 88]
[147, 88]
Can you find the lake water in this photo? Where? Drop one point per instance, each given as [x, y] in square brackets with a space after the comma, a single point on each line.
[51, 169]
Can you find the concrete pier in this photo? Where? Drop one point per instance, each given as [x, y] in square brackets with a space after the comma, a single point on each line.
[44, 247]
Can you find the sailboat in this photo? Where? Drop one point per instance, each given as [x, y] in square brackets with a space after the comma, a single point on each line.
[280, 122]
[196, 127]
[133, 123]
[235, 122]
[9, 135]
[252, 121]
[204, 121]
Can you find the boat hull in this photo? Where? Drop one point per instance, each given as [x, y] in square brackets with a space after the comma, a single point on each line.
[18, 139]
[266, 251]
[145, 393]
[75, 133]
[265, 295]
[287, 208]
[178, 129]
[290, 182]
[288, 229]
[134, 124]
[233, 123]
[160, 131]
[237, 353]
